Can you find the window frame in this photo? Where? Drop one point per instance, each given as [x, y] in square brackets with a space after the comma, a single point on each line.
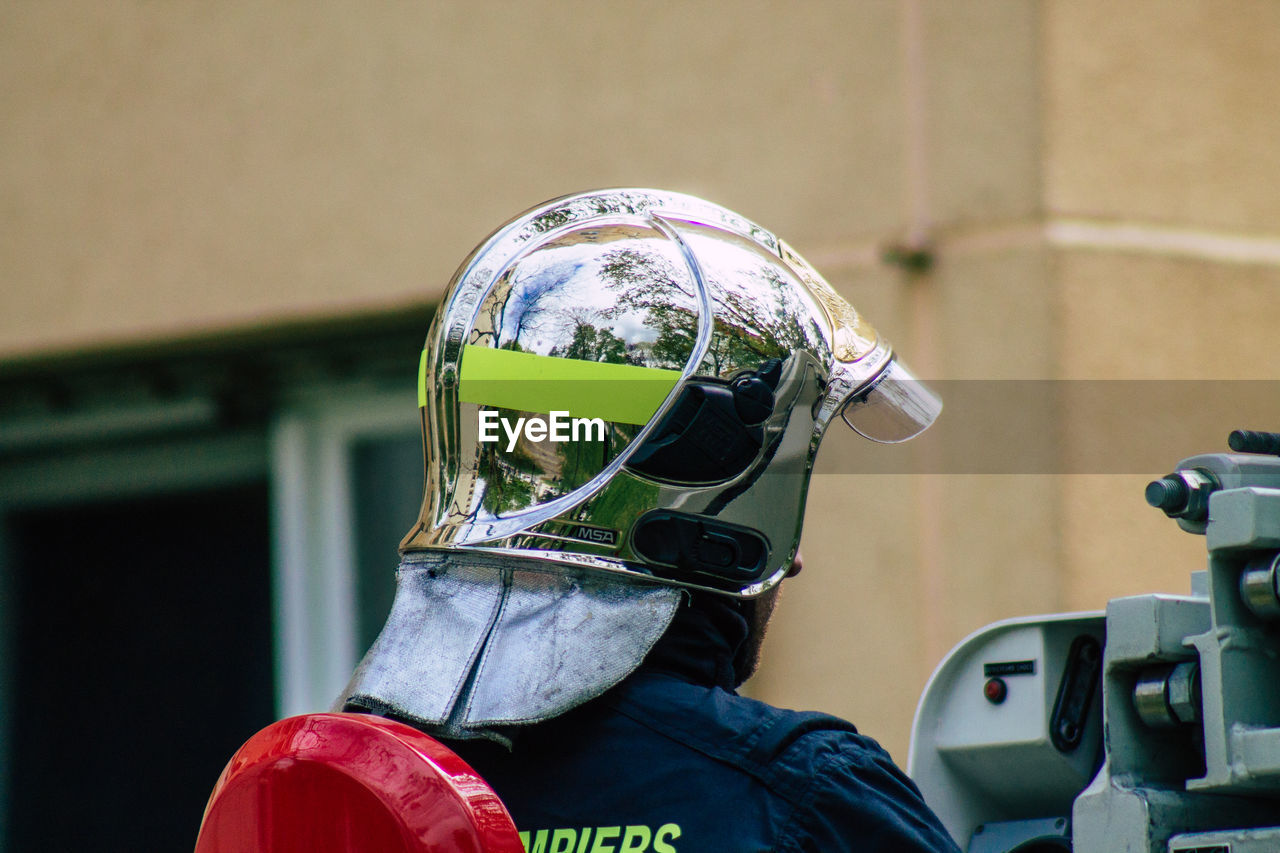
[313, 523]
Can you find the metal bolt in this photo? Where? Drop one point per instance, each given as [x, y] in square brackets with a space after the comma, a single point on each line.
[1149, 702]
[1184, 493]
[1183, 692]
[1168, 696]
[1252, 441]
[1260, 586]
[1167, 493]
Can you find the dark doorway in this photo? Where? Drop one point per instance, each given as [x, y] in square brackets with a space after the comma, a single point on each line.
[387, 482]
[141, 660]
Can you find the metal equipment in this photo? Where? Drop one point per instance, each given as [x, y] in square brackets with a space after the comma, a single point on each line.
[1151, 728]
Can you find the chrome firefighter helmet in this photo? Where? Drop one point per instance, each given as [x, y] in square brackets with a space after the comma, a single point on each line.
[637, 382]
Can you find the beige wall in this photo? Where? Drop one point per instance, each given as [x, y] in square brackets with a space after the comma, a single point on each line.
[1160, 170]
[1096, 182]
[170, 169]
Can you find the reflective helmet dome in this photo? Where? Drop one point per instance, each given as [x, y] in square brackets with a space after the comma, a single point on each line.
[637, 381]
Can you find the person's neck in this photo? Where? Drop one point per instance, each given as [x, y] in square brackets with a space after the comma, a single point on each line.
[702, 642]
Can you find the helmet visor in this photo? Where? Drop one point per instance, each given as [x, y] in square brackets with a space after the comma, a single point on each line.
[895, 407]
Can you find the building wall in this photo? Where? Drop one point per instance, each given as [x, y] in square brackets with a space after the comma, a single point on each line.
[1158, 176]
[1092, 184]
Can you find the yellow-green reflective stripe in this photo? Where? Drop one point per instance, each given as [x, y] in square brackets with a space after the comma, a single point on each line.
[622, 393]
[422, 380]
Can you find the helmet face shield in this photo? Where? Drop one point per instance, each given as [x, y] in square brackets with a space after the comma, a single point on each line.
[895, 407]
[637, 382]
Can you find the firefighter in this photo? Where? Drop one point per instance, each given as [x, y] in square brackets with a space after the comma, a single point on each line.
[622, 396]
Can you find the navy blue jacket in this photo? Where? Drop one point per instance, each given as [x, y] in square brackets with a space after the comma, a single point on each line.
[674, 761]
